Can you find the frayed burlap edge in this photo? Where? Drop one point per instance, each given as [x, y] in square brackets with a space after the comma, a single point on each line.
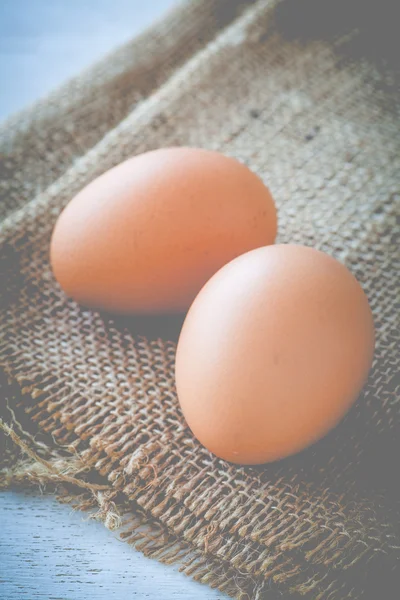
[64, 478]
[139, 482]
[45, 469]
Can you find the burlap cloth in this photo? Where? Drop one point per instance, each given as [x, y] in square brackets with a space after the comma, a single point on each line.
[306, 94]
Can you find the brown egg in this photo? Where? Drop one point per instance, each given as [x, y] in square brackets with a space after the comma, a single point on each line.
[273, 352]
[145, 236]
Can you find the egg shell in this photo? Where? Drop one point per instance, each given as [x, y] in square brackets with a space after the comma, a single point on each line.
[273, 352]
[145, 236]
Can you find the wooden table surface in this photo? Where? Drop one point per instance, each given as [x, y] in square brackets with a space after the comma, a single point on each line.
[45, 42]
[48, 551]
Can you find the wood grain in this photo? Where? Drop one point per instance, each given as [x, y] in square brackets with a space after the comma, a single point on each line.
[50, 552]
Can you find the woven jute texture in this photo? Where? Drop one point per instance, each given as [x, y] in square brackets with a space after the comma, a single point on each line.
[306, 94]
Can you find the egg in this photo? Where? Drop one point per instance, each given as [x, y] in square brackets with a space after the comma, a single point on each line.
[273, 352]
[145, 236]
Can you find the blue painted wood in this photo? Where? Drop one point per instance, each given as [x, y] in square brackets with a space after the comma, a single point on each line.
[50, 552]
[44, 42]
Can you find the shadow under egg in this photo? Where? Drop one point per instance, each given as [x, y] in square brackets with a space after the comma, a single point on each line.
[153, 327]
